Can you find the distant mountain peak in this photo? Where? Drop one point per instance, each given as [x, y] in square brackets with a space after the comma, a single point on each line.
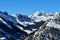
[4, 12]
[38, 13]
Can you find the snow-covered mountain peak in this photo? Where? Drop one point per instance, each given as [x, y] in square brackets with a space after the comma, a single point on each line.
[38, 13]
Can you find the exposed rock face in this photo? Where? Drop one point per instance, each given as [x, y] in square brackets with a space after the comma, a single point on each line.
[50, 34]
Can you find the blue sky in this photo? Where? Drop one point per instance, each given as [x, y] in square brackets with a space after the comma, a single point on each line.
[28, 7]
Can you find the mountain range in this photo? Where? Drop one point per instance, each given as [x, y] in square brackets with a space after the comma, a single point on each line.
[38, 26]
